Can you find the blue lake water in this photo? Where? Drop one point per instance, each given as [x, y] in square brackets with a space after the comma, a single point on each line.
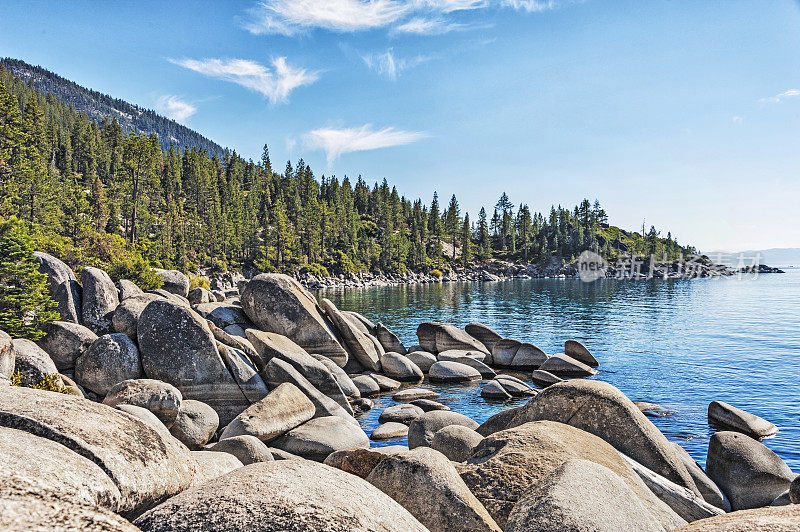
[678, 343]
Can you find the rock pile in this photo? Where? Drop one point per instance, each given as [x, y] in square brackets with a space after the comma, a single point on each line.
[191, 409]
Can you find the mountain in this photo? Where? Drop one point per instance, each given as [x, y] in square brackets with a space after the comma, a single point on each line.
[98, 106]
[776, 256]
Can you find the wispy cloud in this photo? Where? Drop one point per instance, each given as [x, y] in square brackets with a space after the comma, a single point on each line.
[289, 17]
[389, 66]
[538, 6]
[174, 107]
[336, 142]
[428, 26]
[791, 93]
[448, 6]
[275, 83]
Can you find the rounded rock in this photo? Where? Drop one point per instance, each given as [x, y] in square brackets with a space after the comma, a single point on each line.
[422, 429]
[111, 359]
[453, 372]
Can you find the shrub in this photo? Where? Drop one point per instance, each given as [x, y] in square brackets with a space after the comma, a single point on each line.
[199, 281]
[25, 304]
[315, 269]
[436, 273]
[49, 382]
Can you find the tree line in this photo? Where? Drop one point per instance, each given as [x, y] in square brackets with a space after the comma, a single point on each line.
[92, 192]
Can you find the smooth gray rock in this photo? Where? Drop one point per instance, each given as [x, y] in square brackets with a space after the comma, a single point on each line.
[399, 367]
[244, 372]
[145, 416]
[485, 371]
[280, 454]
[62, 286]
[453, 355]
[505, 465]
[566, 366]
[366, 385]
[195, 425]
[499, 421]
[436, 337]
[422, 359]
[7, 358]
[389, 340]
[127, 289]
[177, 347]
[349, 389]
[749, 473]
[161, 398]
[362, 347]
[126, 316]
[31, 362]
[65, 341]
[219, 295]
[773, 519]
[578, 351]
[72, 387]
[456, 442]
[504, 350]
[389, 430]
[543, 379]
[483, 334]
[297, 495]
[211, 465]
[112, 358]
[145, 466]
[319, 437]
[413, 394]
[238, 342]
[363, 405]
[528, 357]
[69, 301]
[38, 464]
[494, 390]
[274, 346]
[278, 303]
[174, 282]
[386, 384]
[794, 491]
[601, 409]
[363, 324]
[224, 314]
[581, 495]
[403, 413]
[422, 429]
[708, 489]
[453, 372]
[732, 418]
[283, 409]
[359, 462]
[427, 405]
[100, 299]
[515, 386]
[248, 449]
[425, 483]
[200, 295]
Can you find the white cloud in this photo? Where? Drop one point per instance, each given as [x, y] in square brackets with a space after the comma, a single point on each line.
[276, 83]
[288, 17]
[389, 66]
[427, 26]
[174, 107]
[791, 93]
[336, 142]
[448, 6]
[737, 120]
[537, 6]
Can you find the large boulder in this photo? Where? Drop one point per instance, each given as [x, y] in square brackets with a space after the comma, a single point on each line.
[708, 489]
[435, 337]
[283, 409]
[601, 409]
[402, 413]
[426, 484]
[456, 442]
[126, 316]
[297, 495]
[732, 418]
[62, 286]
[200, 295]
[174, 282]
[145, 466]
[504, 350]
[162, 399]
[366, 385]
[389, 430]
[195, 424]
[794, 491]
[483, 334]
[399, 367]
[422, 359]
[211, 465]
[177, 347]
[749, 473]
[279, 371]
[319, 437]
[349, 389]
[447, 371]
[506, 464]
[359, 462]
[127, 289]
[146, 416]
[7, 358]
[389, 340]
[422, 429]
[772, 519]
[65, 341]
[363, 347]
[566, 366]
[100, 299]
[275, 346]
[493, 390]
[32, 462]
[528, 357]
[581, 495]
[239, 342]
[578, 351]
[31, 362]
[248, 449]
[244, 372]
[363, 324]
[499, 421]
[40, 509]
[110, 359]
[278, 303]
[224, 314]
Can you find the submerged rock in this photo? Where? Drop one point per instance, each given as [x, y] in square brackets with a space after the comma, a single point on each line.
[413, 394]
[403, 413]
[543, 379]
[494, 390]
[389, 430]
[453, 372]
[563, 365]
[399, 367]
[436, 337]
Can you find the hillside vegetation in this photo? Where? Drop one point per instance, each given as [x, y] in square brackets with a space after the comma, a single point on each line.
[92, 192]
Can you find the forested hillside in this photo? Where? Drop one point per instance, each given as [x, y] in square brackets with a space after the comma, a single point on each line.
[100, 106]
[92, 193]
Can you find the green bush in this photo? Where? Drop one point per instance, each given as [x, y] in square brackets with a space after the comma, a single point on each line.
[49, 382]
[436, 273]
[199, 281]
[315, 269]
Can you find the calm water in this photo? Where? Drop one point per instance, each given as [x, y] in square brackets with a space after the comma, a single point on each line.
[678, 343]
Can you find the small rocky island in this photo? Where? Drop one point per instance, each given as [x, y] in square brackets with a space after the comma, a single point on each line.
[236, 409]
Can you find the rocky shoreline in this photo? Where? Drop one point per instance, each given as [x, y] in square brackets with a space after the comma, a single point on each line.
[236, 408]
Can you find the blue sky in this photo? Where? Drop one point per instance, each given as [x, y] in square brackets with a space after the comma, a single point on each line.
[684, 114]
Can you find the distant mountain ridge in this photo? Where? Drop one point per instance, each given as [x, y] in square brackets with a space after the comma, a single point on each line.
[778, 257]
[98, 106]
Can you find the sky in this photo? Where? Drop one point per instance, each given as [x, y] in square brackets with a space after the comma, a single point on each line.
[680, 114]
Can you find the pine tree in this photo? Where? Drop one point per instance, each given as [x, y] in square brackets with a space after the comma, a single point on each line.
[466, 242]
[484, 240]
[25, 305]
[452, 219]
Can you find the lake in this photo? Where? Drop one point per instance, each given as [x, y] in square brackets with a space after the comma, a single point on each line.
[678, 343]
